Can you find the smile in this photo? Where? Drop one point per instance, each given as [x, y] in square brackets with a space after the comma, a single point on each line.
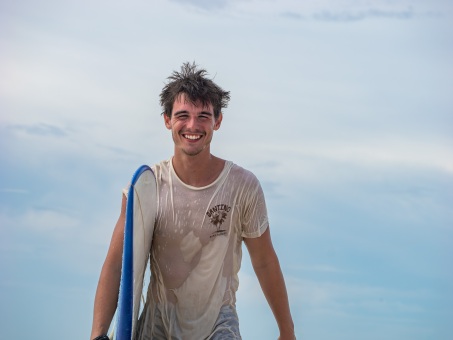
[192, 137]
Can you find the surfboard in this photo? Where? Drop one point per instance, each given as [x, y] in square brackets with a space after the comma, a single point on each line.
[141, 211]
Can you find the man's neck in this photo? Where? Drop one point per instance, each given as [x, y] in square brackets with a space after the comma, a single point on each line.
[198, 171]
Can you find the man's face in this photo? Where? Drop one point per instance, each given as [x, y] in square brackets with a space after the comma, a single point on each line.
[192, 126]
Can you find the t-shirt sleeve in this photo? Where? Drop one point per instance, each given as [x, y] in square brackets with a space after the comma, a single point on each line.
[254, 219]
[126, 190]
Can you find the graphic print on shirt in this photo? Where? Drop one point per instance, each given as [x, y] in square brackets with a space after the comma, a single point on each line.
[218, 215]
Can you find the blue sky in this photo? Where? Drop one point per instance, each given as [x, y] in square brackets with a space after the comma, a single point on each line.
[343, 109]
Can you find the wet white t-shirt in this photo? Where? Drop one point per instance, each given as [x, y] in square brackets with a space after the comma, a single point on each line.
[196, 252]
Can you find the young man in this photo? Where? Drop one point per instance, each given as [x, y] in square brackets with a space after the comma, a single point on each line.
[206, 207]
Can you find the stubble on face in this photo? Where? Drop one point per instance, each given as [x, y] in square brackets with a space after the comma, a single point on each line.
[192, 126]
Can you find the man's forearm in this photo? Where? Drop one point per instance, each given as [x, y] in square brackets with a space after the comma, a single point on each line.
[273, 285]
[105, 301]
[109, 281]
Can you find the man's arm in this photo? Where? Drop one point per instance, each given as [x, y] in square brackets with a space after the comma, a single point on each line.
[269, 274]
[106, 298]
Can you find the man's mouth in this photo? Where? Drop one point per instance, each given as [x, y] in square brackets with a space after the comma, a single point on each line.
[191, 137]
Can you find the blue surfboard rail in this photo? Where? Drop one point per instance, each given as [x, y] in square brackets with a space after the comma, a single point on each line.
[125, 299]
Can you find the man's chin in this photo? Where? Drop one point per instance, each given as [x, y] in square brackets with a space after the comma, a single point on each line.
[192, 153]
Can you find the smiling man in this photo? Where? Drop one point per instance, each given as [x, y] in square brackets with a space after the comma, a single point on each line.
[207, 207]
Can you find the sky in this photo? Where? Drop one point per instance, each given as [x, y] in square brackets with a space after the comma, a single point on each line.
[342, 109]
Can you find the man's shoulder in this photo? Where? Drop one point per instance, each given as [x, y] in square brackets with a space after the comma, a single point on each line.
[161, 166]
[242, 173]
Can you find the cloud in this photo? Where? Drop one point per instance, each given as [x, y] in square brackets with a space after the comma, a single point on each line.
[343, 298]
[345, 16]
[40, 129]
[58, 237]
[343, 306]
[348, 15]
[319, 268]
[338, 11]
[205, 4]
[292, 15]
[315, 159]
[45, 220]
[14, 191]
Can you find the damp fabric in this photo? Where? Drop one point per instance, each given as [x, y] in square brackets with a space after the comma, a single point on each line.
[197, 251]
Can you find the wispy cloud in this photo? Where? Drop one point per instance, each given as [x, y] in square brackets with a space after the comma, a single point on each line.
[331, 301]
[338, 11]
[14, 191]
[353, 298]
[44, 221]
[205, 4]
[40, 129]
[316, 160]
[351, 15]
[320, 268]
[348, 15]
[292, 15]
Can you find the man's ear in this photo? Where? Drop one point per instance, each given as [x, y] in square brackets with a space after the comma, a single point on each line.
[167, 121]
[218, 121]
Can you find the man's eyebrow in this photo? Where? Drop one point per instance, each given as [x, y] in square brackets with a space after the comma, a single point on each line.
[180, 112]
[186, 112]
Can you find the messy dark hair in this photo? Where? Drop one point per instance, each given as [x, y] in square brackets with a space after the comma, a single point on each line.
[196, 86]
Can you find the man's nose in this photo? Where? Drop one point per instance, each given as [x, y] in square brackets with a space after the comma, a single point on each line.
[192, 123]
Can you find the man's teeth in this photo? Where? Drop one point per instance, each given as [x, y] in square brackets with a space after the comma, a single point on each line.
[192, 137]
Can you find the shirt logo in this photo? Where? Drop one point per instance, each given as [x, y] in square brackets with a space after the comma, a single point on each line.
[218, 215]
